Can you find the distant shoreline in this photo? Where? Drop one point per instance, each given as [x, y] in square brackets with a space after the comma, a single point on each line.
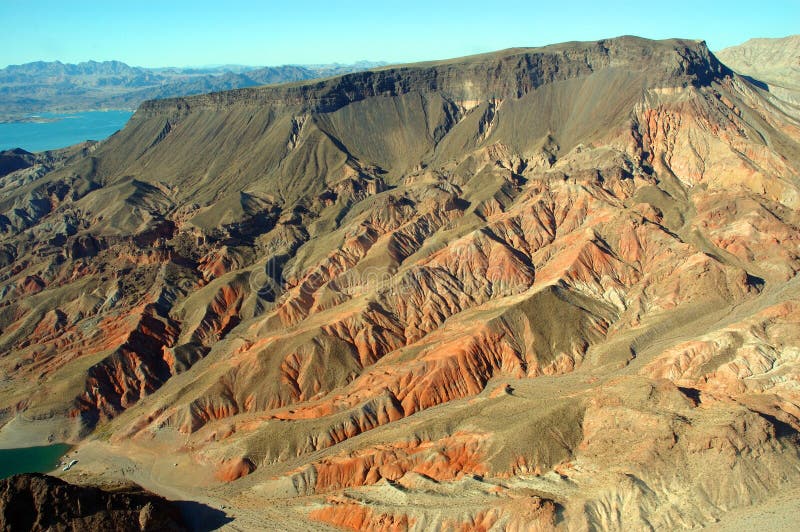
[39, 119]
[28, 120]
[44, 131]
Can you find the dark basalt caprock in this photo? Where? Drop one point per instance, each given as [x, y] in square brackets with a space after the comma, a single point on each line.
[504, 74]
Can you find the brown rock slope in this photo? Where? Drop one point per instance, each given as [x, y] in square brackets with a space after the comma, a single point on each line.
[40, 502]
[537, 288]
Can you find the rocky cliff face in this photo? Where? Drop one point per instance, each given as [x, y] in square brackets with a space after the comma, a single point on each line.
[508, 74]
[541, 287]
[39, 502]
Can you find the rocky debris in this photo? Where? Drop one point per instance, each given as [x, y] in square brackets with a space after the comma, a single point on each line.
[40, 502]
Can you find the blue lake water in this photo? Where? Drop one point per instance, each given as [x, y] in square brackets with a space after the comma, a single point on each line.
[31, 459]
[68, 129]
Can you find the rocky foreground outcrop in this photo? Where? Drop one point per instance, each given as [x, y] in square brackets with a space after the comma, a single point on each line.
[549, 287]
[40, 502]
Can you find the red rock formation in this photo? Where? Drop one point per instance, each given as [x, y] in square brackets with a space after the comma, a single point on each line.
[354, 516]
[446, 459]
[135, 369]
[31, 285]
[234, 469]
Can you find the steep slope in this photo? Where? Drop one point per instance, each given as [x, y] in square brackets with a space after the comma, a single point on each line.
[535, 287]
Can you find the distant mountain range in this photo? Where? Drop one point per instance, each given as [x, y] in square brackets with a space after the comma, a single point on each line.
[55, 86]
[773, 62]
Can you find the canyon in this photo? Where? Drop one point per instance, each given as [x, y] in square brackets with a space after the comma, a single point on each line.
[541, 288]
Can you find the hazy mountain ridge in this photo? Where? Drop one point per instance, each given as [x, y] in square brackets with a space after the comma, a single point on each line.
[775, 62]
[54, 86]
[550, 288]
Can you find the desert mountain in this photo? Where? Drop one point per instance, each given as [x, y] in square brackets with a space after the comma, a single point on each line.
[56, 86]
[774, 62]
[538, 288]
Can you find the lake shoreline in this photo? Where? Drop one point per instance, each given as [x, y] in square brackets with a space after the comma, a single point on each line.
[52, 131]
[37, 459]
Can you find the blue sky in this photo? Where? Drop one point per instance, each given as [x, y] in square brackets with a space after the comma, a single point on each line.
[200, 32]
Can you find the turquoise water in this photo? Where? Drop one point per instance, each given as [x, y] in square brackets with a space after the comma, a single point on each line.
[31, 459]
[68, 129]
